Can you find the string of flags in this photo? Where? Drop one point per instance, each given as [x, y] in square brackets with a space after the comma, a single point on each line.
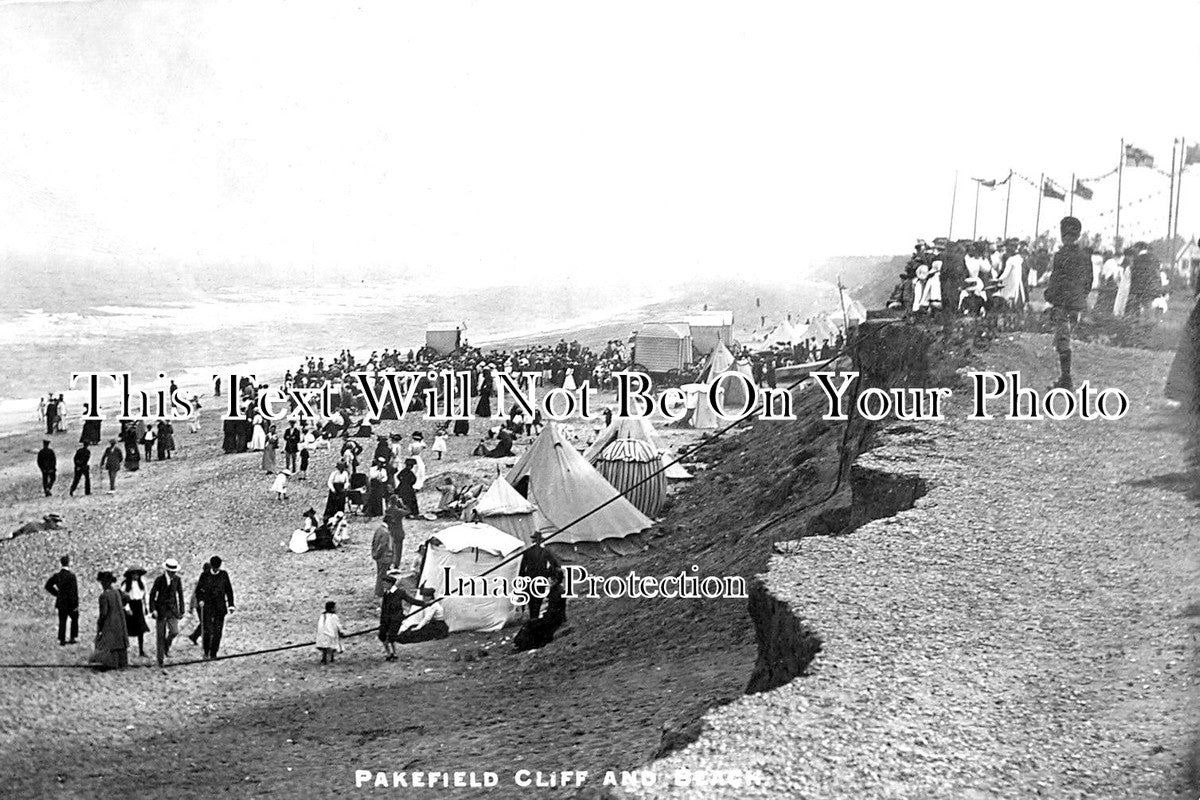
[1111, 211]
[1134, 157]
[992, 183]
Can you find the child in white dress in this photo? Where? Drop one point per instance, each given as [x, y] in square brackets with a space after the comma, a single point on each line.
[279, 487]
[330, 633]
[439, 444]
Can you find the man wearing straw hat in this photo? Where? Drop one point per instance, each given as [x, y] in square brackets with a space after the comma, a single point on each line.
[166, 606]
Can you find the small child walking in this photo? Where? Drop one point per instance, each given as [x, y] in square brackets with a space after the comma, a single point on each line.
[279, 487]
[439, 443]
[329, 633]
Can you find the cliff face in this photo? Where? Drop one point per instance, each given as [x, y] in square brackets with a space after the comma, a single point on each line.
[886, 355]
[1014, 615]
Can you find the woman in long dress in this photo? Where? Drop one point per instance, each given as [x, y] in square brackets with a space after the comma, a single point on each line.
[339, 480]
[415, 448]
[112, 637]
[376, 487]
[258, 439]
[269, 446]
[484, 407]
[406, 481]
[135, 617]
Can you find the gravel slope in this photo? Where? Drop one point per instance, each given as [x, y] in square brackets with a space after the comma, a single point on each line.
[1027, 629]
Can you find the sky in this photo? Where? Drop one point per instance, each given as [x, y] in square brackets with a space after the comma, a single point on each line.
[522, 141]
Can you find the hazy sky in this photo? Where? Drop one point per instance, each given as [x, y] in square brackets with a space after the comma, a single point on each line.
[505, 139]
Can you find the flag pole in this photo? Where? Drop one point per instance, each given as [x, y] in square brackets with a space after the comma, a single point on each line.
[1120, 175]
[1071, 208]
[975, 223]
[1037, 220]
[953, 198]
[1007, 200]
[1171, 199]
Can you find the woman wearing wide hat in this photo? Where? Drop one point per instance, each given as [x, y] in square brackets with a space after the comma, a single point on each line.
[135, 607]
[112, 637]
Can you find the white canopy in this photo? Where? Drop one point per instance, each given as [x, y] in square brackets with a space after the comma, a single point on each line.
[483, 537]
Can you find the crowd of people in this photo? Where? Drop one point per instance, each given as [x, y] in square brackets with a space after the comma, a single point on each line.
[373, 482]
[125, 605]
[997, 279]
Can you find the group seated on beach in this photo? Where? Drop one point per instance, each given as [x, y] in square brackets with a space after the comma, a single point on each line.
[328, 535]
[456, 500]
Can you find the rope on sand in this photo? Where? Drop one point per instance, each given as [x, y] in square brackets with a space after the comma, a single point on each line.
[686, 452]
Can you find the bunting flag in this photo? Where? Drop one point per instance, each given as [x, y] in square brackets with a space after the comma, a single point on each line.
[1048, 190]
[1082, 191]
[1192, 155]
[1136, 157]
[990, 184]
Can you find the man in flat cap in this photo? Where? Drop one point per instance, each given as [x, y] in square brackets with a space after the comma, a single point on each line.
[1067, 292]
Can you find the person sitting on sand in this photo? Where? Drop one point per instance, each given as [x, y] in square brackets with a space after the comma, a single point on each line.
[502, 449]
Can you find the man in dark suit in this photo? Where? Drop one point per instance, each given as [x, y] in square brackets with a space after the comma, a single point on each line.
[539, 562]
[65, 589]
[166, 606]
[1067, 292]
[47, 462]
[83, 469]
[214, 597]
[111, 461]
[291, 446]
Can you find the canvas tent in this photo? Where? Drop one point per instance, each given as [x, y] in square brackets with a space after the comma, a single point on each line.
[732, 393]
[820, 330]
[563, 487]
[634, 468]
[782, 335]
[470, 549]
[502, 507]
[663, 346]
[443, 338]
[634, 428]
[710, 328]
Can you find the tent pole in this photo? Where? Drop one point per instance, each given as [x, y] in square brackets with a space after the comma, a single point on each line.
[1178, 192]
[1037, 220]
[1171, 202]
[953, 198]
[1007, 200]
[975, 224]
[1120, 175]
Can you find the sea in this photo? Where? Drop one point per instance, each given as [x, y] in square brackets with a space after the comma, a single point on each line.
[190, 326]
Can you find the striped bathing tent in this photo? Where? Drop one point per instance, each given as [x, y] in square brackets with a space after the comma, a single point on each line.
[626, 463]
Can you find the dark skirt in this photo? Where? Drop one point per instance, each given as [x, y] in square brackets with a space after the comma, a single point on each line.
[462, 427]
[409, 498]
[1185, 369]
[391, 614]
[335, 502]
[484, 407]
[374, 504]
[135, 620]
[434, 629]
